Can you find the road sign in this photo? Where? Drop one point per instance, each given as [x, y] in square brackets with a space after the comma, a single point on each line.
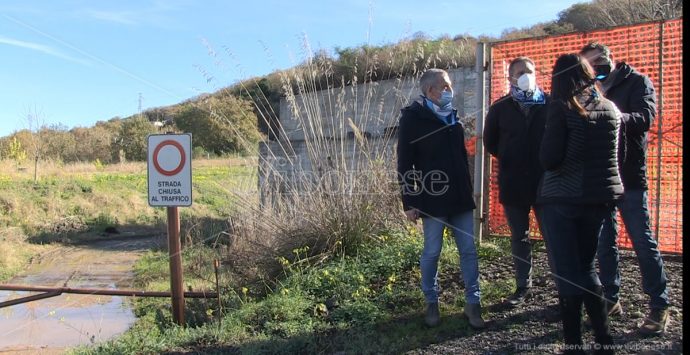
[170, 169]
[170, 184]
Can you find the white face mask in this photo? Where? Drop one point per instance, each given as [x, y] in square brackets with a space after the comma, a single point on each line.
[527, 82]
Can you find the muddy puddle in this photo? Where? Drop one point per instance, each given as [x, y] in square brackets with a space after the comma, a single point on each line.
[52, 324]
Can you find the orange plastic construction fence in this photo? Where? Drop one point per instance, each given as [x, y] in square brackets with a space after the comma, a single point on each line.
[656, 50]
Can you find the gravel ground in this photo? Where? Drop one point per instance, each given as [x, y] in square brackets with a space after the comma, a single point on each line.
[535, 328]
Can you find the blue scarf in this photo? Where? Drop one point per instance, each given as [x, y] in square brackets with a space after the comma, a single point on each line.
[527, 98]
[446, 113]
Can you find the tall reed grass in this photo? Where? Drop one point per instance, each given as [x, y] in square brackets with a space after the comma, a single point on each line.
[328, 182]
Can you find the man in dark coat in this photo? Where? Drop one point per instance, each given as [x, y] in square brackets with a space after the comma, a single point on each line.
[512, 133]
[435, 181]
[634, 95]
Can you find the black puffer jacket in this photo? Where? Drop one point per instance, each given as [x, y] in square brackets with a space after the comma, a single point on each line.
[432, 164]
[580, 154]
[514, 139]
[635, 97]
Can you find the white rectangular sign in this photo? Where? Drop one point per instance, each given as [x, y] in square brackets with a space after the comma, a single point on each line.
[170, 169]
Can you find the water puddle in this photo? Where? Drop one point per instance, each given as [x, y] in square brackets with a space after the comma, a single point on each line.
[69, 319]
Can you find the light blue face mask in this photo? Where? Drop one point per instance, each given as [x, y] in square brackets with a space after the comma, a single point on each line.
[446, 98]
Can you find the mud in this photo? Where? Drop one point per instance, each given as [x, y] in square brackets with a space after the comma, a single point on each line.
[51, 325]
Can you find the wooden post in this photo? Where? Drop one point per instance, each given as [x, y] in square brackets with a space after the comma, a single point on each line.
[174, 250]
[216, 265]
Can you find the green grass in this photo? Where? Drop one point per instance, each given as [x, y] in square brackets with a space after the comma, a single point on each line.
[339, 305]
[15, 255]
[69, 205]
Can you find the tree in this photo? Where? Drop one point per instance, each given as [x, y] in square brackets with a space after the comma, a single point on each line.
[131, 139]
[95, 143]
[36, 147]
[16, 152]
[59, 143]
[220, 125]
[608, 13]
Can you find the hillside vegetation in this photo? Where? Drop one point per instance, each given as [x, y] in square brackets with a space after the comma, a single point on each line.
[326, 267]
[234, 118]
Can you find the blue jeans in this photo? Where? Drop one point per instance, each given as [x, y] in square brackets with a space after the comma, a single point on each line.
[462, 227]
[571, 232]
[635, 213]
[520, 244]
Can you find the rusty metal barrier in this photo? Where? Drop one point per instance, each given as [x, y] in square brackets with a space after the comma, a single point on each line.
[48, 292]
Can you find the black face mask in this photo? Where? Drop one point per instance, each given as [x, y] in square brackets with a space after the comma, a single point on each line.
[602, 71]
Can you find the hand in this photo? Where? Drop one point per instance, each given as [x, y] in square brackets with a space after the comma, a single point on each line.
[412, 215]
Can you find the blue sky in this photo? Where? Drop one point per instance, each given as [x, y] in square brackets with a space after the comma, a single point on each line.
[75, 62]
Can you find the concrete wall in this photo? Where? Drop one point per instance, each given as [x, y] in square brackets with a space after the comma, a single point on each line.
[318, 134]
[373, 107]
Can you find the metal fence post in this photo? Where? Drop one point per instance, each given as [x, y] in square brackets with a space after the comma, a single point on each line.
[486, 179]
[660, 132]
[479, 151]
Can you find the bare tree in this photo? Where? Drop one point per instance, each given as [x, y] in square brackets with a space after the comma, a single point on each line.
[35, 121]
[609, 13]
[626, 12]
[668, 9]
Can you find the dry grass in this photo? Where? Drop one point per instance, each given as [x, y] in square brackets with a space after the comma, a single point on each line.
[56, 169]
[16, 253]
[74, 202]
[348, 194]
[51, 168]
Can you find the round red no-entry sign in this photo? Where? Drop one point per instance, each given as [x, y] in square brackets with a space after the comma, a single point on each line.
[169, 169]
[180, 149]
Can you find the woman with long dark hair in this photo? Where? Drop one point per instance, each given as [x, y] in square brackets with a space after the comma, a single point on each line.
[579, 153]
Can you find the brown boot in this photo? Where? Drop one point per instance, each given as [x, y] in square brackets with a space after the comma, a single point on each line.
[473, 311]
[613, 310]
[656, 322]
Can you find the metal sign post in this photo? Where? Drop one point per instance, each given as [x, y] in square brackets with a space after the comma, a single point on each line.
[170, 185]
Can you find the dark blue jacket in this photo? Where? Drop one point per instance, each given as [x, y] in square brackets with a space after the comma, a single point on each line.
[634, 95]
[433, 169]
[514, 139]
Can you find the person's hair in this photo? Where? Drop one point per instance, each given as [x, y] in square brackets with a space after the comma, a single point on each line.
[522, 59]
[572, 77]
[429, 78]
[604, 49]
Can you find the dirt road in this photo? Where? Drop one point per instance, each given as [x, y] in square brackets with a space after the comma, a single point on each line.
[535, 327]
[50, 325]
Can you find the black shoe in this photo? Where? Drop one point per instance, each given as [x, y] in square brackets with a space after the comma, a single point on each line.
[521, 295]
[473, 312]
[571, 314]
[433, 315]
[597, 310]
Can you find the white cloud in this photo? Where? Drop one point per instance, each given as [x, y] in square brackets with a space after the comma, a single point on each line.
[156, 14]
[41, 48]
[121, 17]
